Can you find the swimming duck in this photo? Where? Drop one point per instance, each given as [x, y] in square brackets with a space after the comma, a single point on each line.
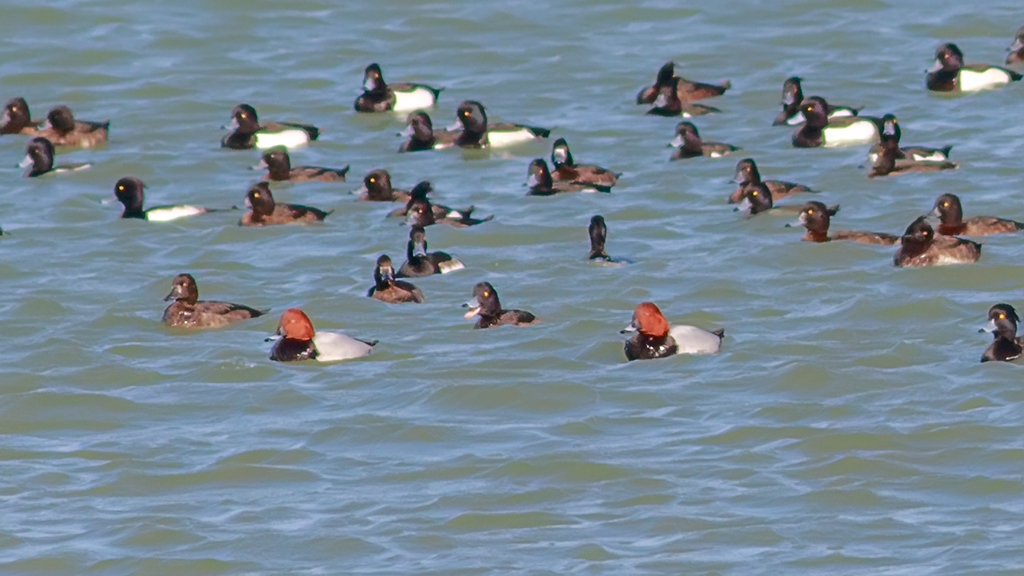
[886, 164]
[377, 188]
[422, 135]
[598, 232]
[819, 130]
[62, 129]
[17, 119]
[793, 95]
[263, 211]
[249, 133]
[279, 169]
[541, 183]
[387, 289]
[568, 171]
[188, 311]
[1002, 323]
[688, 144]
[378, 96]
[919, 246]
[39, 155]
[478, 133]
[128, 191]
[419, 262]
[1016, 50]
[654, 337]
[486, 305]
[815, 216]
[421, 212]
[685, 90]
[747, 174]
[951, 217]
[297, 340]
[891, 132]
[949, 74]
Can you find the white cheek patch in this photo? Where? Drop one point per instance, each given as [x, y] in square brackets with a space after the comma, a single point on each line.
[413, 100]
[971, 80]
[173, 213]
[286, 138]
[856, 133]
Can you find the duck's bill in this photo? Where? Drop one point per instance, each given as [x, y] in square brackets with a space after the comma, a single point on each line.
[474, 308]
[628, 329]
[173, 295]
[361, 191]
[935, 67]
[260, 166]
[744, 206]
[5, 119]
[230, 125]
[1017, 45]
[407, 132]
[935, 213]
[369, 84]
[26, 162]
[800, 221]
[272, 338]
[457, 127]
[676, 142]
[990, 327]
[797, 118]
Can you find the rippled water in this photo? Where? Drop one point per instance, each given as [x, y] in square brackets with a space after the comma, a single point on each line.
[846, 427]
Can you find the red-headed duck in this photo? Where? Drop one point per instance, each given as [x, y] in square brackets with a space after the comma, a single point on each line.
[265, 212]
[654, 337]
[188, 311]
[387, 289]
[297, 340]
[486, 305]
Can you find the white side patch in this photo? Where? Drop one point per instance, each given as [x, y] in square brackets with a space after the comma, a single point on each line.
[450, 266]
[693, 340]
[933, 157]
[286, 138]
[501, 138]
[840, 113]
[971, 80]
[333, 347]
[173, 213]
[856, 133]
[414, 100]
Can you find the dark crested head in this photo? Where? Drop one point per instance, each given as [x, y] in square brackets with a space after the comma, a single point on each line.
[666, 74]
[815, 111]
[39, 154]
[757, 198]
[920, 229]
[419, 212]
[418, 237]
[684, 128]
[890, 129]
[260, 199]
[295, 325]
[420, 190]
[746, 172]
[948, 58]
[792, 92]
[484, 301]
[598, 236]
[61, 119]
[948, 209]
[128, 191]
[383, 272]
[372, 78]
[15, 116]
[560, 153]
[1002, 321]
[648, 321]
[184, 289]
[378, 184]
[421, 126]
[277, 159]
[244, 118]
[538, 174]
[815, 216]
[472, 116]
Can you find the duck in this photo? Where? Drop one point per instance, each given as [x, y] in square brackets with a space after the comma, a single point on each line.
[757, 198]
[949, 74]
[422, 135]
[542, 184]
[819, 130]
[188, 311]
[279, 169]
[129, 191]
[951, 220]
[654, 337]
[476, 132]
[1016, 50]
[379, 96]
[421, 212]
[249, 133]
[263, 211]
[419, 192]
[919, 246]
[62, 129]
[668, 104]
[688, 144]
[419, 262]
[887, 164]
[1002, 323]
[17, 119]
[387, 289]
[815, 217]
[377, 188]
[296, 340]
[568, 171]
[891, 132]
[793, 95]
[685, 90]
[39, 159]
[598, 232]
[486, 306]
[747, 174]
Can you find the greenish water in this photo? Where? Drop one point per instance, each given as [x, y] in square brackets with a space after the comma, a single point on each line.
[846, 427]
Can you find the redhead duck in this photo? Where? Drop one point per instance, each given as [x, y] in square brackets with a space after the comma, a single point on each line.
[419, 262]
[1002, 323]
[421, 212]
[819, 130]
[188, 311]
[16, 119]
[688, 144]
[685, 90]
[542, 184]
[279, 169]
[486, 305]
[249, 133]
[919, 246]
[655, 339]
[891, 132]
[379, 96]
[747, 174]
[815, 216]
[39, 156]
[263, 211]
[377, 188]
[1016, 50]
[62, 129]
[297, 340]
[793, 95]
[951, 217]
[949, 74]
[476, 132]
[387, 289]
[568, 171]
[128, 191]
[422, 135]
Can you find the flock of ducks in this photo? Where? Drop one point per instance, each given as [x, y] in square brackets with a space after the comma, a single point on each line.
[820, 124]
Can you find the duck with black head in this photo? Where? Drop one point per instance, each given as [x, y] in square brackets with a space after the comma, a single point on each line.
[248, 132]
[816, 218]
[16, 119]
[39, 159]
[1002, 323]
[129, 192]
[891, 133]
[688, 144]
[63, 129]
[655, 338]
[279, 169]
[379, 96]
[951, 220]
[188, 311]
[422, 136]
[264, 211]
[541, 183]
[296, 340]
[1016, 49]
[757, 198]
[377, 188]
[387, 289]
[793, 95]
[476, 132]
[950, 74]
[819, 130]
[685, 90]
[421, 212]
[567, 170]
[920, 246]
[748, 174]
[487, 308]
[419, 262]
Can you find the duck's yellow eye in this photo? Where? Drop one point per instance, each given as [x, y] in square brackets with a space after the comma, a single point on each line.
[255, 194]
[466, 113]
[486, 293]
[810, 212]
[242, 115]
[753, 193]
[120, 188]
[372, 180]
[14, 108]
[945, 204]
[1002, 316]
